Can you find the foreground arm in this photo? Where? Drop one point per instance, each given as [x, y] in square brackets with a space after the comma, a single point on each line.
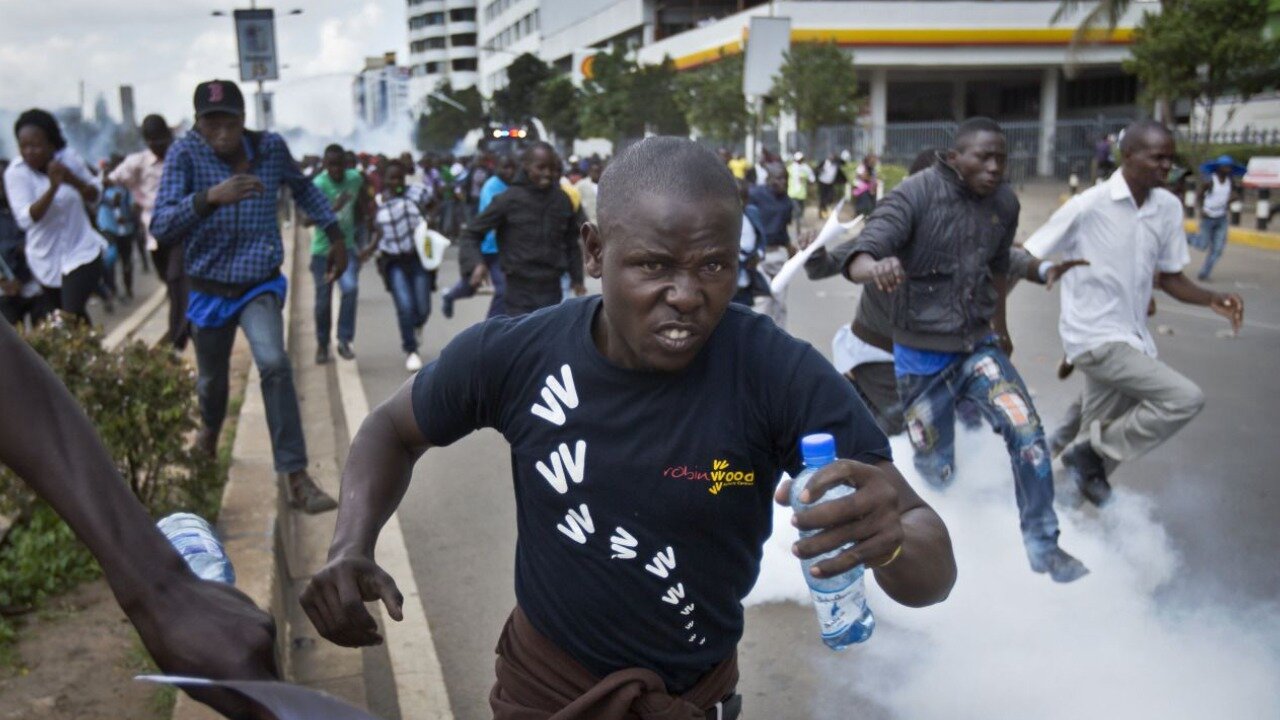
[374, 481]
[899, 537]
[190, 627]
[1228, 305]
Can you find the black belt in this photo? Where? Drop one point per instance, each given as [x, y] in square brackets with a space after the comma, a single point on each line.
[231, 291]
[727, 709]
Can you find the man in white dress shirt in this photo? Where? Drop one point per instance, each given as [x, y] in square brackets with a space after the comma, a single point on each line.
[1127, 228]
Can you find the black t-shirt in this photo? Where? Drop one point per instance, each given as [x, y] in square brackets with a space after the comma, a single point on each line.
[643, 499]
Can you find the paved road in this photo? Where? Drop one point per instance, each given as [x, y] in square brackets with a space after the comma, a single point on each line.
[1209, 492]
[143, 285]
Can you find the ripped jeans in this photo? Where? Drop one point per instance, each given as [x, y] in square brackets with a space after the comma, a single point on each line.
[988, 380]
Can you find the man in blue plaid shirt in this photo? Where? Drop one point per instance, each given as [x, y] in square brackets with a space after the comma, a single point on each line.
[218, 197]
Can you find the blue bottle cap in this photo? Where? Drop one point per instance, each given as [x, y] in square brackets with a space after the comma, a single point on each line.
[818, 449]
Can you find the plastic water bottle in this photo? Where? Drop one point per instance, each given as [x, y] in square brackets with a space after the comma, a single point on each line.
[194, 539]
[840, 601]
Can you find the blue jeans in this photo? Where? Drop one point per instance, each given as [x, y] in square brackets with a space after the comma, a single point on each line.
[987, 380]
[410, 285]
[1213, 237]
[497, 306]
[263, 325]
[349, 285]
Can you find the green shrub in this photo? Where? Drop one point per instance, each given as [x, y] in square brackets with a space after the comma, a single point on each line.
[41, 558]
[892, 175]
[142, 402]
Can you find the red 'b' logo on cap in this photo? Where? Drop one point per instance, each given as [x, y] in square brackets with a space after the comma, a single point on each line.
[215, 92]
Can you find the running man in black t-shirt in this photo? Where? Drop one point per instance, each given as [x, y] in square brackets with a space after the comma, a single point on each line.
[648, 430]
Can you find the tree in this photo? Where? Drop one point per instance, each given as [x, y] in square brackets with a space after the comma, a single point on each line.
[605, 102]
[1101, 13]
[1204, 50]
[421, 136]
[557, 107]
[712, 100]
[653, 89]
[623, 99]
[445, 124]
[818, 84]
[525, 77]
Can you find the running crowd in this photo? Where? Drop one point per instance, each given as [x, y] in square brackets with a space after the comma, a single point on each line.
[683, 244]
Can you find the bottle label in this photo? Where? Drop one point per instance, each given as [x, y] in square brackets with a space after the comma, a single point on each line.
[838, 610]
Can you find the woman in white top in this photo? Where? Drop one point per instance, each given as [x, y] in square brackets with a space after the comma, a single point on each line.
[48, 188]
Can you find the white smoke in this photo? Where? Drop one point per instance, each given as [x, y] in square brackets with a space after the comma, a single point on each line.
[391, 139]
[1011, 644]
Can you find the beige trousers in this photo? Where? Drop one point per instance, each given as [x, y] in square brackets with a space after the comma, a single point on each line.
[1132, 402]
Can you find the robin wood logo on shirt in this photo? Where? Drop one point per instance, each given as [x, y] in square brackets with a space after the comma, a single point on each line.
[719, 477]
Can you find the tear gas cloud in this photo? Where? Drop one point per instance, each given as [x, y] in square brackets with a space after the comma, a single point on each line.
[1012, 644]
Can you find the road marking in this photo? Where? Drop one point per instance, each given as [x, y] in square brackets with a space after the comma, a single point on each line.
[415, 666]
[130, 325]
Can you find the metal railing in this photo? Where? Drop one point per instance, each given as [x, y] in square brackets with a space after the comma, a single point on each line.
[1247, 135]
[1074, 143]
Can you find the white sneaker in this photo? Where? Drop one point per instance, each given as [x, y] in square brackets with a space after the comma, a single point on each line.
[413, 363]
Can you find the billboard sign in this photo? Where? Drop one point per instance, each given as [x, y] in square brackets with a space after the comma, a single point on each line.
[769, 39]
[256, 40]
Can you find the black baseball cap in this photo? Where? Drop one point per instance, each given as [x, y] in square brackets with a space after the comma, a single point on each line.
[218, 96]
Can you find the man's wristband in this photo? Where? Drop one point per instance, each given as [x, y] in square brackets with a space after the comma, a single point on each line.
[1043, 271]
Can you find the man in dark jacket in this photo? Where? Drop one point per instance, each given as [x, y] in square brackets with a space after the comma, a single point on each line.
[870, 349]
[537, 233]
[941, 244]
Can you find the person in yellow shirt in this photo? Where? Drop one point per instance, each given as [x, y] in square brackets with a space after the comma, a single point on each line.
[575, 197]
[738, 166]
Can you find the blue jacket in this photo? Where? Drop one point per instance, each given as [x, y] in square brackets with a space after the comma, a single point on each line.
[775, 214]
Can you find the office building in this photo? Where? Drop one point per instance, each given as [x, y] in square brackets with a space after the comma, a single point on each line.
[442, 46]
[917, 60]
[380, 91]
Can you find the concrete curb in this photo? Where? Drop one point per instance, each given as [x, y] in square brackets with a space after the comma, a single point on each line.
[251, 506]
[1260, 239]
[313, 661]
[419, 679]
[126, 329]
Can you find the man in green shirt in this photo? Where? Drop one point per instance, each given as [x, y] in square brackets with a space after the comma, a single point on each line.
[343, 188]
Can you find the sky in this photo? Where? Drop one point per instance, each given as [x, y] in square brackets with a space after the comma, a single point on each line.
[164, 47]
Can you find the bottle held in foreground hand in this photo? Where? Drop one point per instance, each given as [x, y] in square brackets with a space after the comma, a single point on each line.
[840, 601]
[195, 540]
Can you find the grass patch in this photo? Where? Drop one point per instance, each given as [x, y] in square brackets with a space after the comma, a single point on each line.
[9, 660]
[163, 697]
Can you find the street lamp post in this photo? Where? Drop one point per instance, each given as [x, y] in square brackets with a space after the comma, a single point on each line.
[263, 117]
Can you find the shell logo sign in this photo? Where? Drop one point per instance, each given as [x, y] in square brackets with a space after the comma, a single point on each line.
[583, 67]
